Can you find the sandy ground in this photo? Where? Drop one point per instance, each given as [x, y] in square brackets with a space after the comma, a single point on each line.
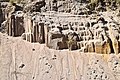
[21, 60]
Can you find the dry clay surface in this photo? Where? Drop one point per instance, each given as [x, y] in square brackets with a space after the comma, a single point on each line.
[21, 60]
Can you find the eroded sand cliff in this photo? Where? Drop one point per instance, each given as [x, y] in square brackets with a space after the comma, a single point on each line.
[60, 40]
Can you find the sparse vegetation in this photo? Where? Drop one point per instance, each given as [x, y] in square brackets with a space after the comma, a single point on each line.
[4, 0]
[17, 1]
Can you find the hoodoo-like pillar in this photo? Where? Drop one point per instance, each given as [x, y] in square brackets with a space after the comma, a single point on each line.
[35, 32]
[91, 47]
[41, 32]
[38, 32]
[119, 45]
[34, 29]
[115, 42]
[19, 26]
[15, 26]
[116, 46]
[98, 47]
[28, 24]
[11, 26]
[46, 26]
[28, 35]
[102, 47]
[1, 15]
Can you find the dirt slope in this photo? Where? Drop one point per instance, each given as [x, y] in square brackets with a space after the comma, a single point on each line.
[21, 60]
